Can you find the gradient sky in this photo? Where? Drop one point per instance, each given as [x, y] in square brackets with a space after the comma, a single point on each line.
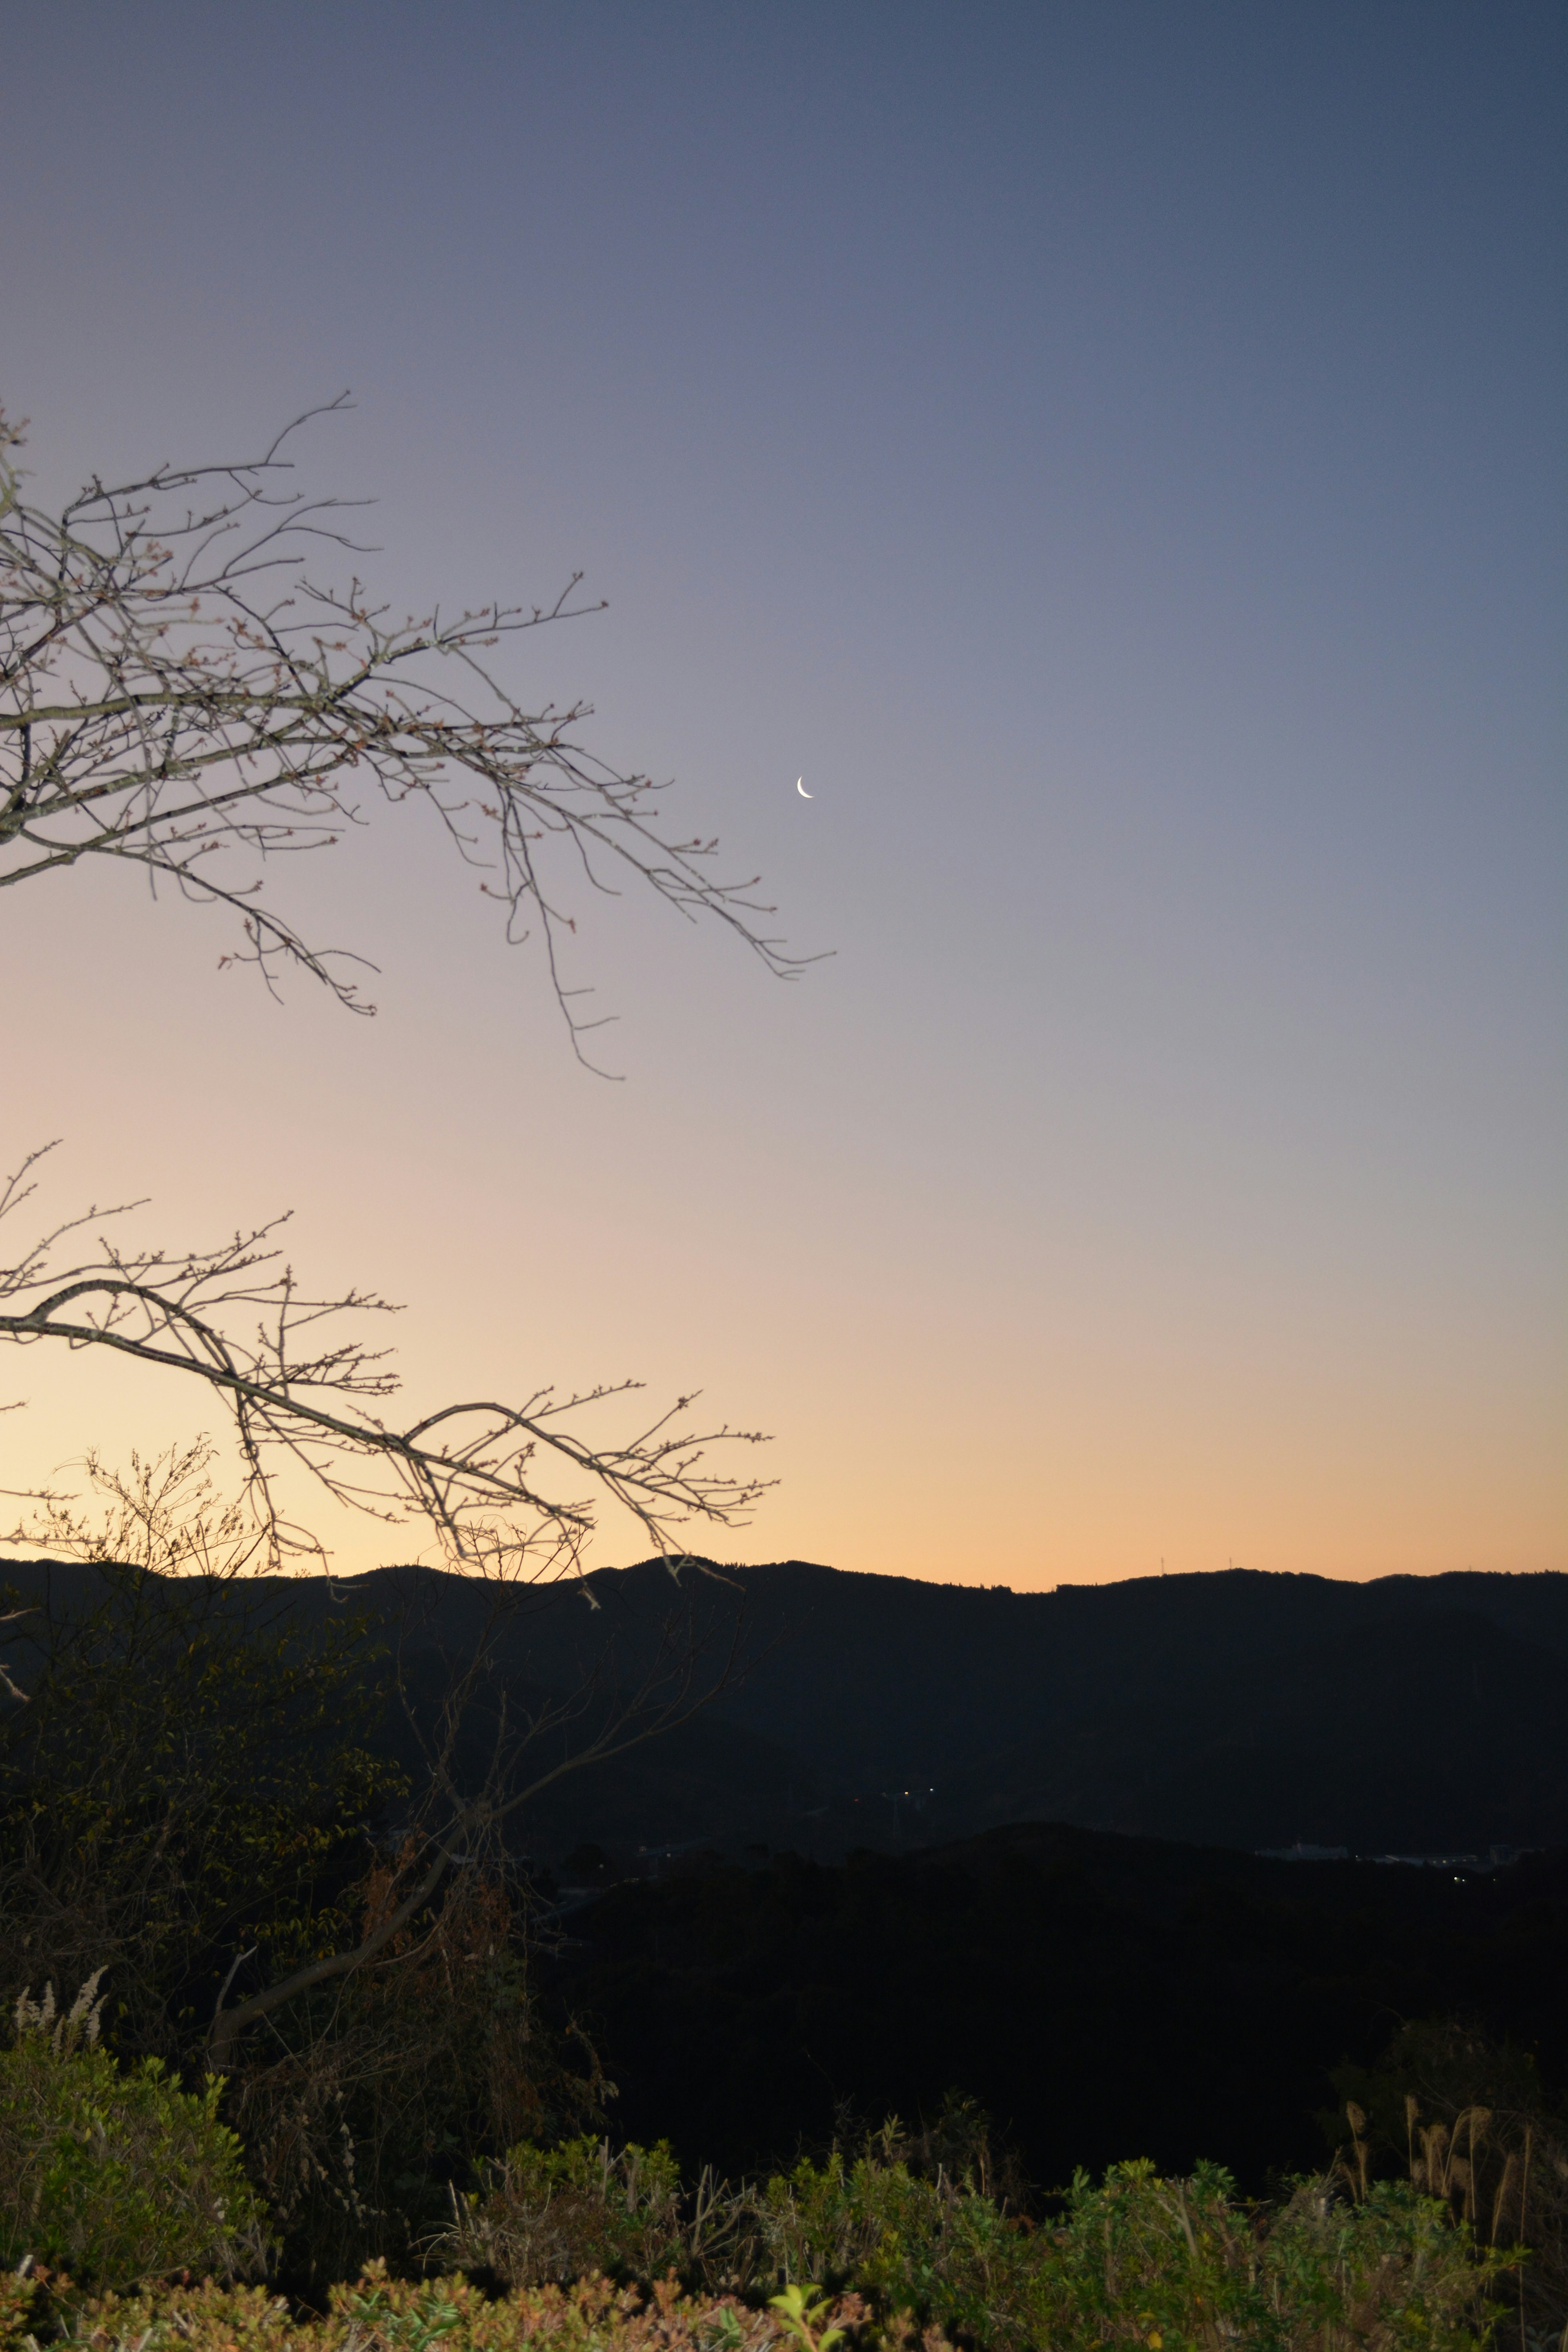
[1115, 452]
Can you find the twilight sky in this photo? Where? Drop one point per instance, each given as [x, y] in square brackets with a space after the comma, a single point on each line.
[1115, 453]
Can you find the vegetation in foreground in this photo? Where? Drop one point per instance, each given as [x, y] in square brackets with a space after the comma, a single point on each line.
[181, 1785]
[111, 2173]
[1138, 2260]
[126, 2180]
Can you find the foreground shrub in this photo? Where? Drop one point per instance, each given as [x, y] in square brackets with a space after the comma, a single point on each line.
[382, 2314]
[1150, 2260]
[1139, 2258]
[555, 2214]
[1168, 2265]
[114, 2176]
[1468, 2119]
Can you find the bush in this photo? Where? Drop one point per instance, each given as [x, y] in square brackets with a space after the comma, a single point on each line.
[1468, 2120]
[1177, 2264]
[383, 2315]
[114, 2177]
[558, 2213]
[1139, 2258]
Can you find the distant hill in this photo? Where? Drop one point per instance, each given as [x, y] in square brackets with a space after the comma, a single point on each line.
[1407, 1715]
[1419, 1732]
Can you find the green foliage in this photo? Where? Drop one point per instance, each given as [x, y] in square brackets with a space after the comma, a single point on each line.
[1468, 2119]
[1144, 2259]
[445, 2315]
[17, 2297]
[114, 2175]
[1179, 2263]
[912, 2243]
[120, 2177]
[1139, 2258]
[556, 2213]
[807, 2319]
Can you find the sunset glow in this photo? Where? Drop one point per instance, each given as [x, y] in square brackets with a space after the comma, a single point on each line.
[1123, 480]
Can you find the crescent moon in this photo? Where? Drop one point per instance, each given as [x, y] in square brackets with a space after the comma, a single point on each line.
[800, 788]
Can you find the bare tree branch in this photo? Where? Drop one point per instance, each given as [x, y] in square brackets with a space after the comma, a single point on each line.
[471, 1472]
[670, 1691]
[180, 693]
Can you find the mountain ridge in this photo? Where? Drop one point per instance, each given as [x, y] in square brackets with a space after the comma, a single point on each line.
[1243, 1708]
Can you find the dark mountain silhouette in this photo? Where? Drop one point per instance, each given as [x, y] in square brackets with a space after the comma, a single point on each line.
[1427, 1730]
[1408, 1715]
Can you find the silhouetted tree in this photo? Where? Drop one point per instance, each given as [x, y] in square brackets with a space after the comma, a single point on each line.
[181, 694]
